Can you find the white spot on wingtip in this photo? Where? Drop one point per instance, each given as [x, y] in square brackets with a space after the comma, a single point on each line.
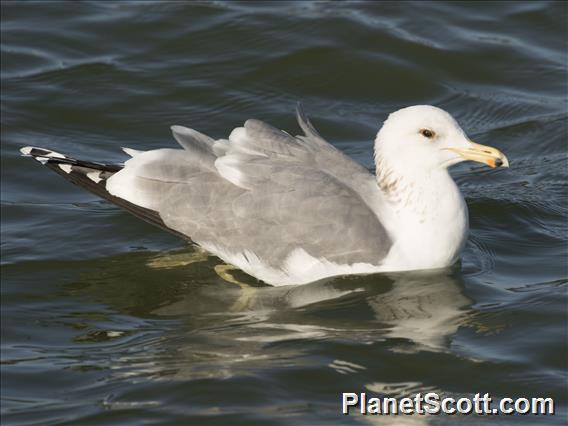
[42, 160]
[53, 154]
[26, 150]
[65, 167]
[42, 152]
[95, 176]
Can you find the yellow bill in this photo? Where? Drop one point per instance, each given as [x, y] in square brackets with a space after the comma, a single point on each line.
[483, 154]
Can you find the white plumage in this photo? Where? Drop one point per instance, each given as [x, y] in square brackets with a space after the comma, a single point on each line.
[291, 210]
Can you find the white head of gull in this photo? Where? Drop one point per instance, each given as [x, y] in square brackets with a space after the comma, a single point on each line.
[294, 209]
[424, 208]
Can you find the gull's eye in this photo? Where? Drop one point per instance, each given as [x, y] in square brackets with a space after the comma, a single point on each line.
[427, 133]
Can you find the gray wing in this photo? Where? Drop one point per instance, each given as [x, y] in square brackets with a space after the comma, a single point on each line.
[262, 192]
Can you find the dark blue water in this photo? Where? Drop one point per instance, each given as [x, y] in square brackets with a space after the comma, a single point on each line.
[106, 320]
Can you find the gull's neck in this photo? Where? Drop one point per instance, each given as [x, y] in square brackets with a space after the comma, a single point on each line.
[412, 191]
[424, 213]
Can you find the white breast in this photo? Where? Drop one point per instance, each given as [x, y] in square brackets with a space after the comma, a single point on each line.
[429, 225]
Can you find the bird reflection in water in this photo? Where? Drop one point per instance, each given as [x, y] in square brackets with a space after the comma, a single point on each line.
[206, 327]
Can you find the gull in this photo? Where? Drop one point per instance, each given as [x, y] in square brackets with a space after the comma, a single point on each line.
[295, 209]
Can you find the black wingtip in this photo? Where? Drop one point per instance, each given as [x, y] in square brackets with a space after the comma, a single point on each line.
[34, 151]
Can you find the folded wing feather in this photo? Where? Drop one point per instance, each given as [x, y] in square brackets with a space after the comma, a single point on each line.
[262, 192]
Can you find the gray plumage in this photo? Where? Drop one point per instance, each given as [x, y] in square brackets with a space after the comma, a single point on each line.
[266, 193]
[293, 209]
